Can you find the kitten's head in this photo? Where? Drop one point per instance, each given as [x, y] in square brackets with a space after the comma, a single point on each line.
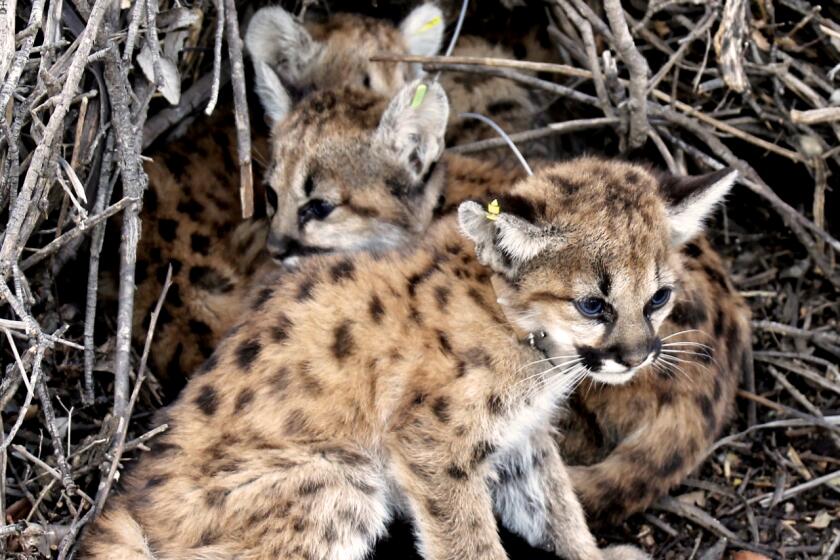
[588, 252]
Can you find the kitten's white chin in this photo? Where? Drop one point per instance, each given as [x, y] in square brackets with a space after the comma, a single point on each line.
[613, 378]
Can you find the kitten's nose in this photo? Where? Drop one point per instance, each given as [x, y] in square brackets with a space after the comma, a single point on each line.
[282, 246]
[634, 356]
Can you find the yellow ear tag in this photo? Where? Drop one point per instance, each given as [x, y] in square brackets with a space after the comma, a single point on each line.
[493, 210]
[431, 24]
[419, 95]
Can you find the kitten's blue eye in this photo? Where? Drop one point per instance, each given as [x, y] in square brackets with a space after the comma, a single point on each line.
[660, 298]
[315, 209]
[590, 307]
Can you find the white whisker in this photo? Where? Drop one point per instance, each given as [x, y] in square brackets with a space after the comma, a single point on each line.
[700, 344]
[682, 332]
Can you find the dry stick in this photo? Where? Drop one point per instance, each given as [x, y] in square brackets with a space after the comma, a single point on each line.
[36, 373]
[832, 548]
[816, 116]
[787, 330]
[801, 399]
[134, 183]
[557, 89]
[585, 29]
[766, 499]
[754, 182]
[460, 61]
[788, 410]
[217, 57]
[55, 435]
[701, 28]
[122, 427]
[703, 519]
[792, 423]
[729, 45]
[133, 26]
[190, 100]
[12, 246]
[794, 219]
[240, 106]
[21, 56]
[637, 67]
[536, 134]
[811, 376]
[103, 195]
[80, 229]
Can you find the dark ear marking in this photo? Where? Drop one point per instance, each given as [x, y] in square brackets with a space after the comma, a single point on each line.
[675, 189]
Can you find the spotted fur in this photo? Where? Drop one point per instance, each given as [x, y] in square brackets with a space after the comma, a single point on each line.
[305, 447]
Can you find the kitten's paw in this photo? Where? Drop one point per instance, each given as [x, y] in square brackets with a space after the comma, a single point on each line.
[625, 552]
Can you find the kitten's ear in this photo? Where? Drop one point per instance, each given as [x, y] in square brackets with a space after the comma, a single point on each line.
[275, 38]
[413, 125]
[273, 96]
[423, 30]
[690, 200]
[503, 241]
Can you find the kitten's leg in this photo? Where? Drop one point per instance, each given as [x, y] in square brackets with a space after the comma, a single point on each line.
[533, 495]
[326, 501]
[451, 508]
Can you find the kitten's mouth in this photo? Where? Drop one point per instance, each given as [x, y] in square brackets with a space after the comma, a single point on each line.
[291, 259]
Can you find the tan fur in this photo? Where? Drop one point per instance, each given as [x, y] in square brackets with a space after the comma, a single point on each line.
[641, 439]
[191, 214]
[361, 386]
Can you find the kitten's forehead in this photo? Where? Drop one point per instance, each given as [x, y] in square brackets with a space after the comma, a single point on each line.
[609, 210]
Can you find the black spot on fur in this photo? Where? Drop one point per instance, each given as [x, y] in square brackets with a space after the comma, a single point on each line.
[215, 497]
[688, 313]
[280, 380]
[671, 465]
[503, 106]
[481, 451]
[434, 508]
[342, 270]
[207, 400]
[167, 229]
[416, 279]
[376, 309]
[692, 250]
[442, 294]
[208, 279]
[478, 357]
[158, 480]
[264, 295]
[243, 399]
[444, 343]
[305, 290]
[200, 243]
[440, 408]
[280, 330]
[199, 327]
[495, 404]
[707, 411]
[456, 472]
[343, 344]
[310, 487]
[414, 315]
[717, 277]
[247, 352]
[190, 207]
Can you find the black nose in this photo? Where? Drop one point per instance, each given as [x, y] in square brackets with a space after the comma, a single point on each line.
[282, 246]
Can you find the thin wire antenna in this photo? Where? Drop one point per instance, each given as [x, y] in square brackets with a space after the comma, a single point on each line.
[458, 25]
[490, 122]
[455, 34]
